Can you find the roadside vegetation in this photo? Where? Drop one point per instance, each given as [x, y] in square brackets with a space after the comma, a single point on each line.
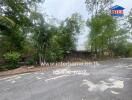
[109, 36]
[26, 35]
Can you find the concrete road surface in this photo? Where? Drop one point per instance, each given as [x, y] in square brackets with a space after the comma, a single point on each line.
[108, 80]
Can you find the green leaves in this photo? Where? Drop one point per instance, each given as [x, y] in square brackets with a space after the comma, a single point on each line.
[107, 36]
[53, 43]
[15, 24]
[12, 58]
[7, 22]
[96, 7]
[102, 31]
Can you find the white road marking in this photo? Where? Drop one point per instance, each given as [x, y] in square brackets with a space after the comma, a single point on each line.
[39, 78]
[42, 73]
[57, 77]
[111, 79]
[128, 78]
[113, 92]
[24, 74]
[13, 81]
[125, 66]
[118, 84]
[102, 86]
[70, 72]
[83, 99]
[121, 66]
[118, 66]
[129, 68]
[14, 76]
[9, 77]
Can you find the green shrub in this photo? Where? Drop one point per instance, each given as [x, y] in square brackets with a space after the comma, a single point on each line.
[31, 61]
[12, 59]
[2, 67]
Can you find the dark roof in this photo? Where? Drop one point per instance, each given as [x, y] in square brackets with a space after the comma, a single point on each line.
[117, 8]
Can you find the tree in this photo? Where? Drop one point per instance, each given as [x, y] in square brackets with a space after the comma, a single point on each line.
[107, 36]
[15, 23]
[96, 6]
[52, 42]
[68, 30]
[103, 29]
[129, 22]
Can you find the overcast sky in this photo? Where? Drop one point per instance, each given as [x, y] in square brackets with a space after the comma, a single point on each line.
[62, 9]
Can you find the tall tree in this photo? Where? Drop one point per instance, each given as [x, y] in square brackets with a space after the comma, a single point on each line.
[130, 21]
[53, 43]
[15, 23]
[103, 28]
[96, 6]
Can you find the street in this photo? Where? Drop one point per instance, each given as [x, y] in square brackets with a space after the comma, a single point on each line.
[105, 80]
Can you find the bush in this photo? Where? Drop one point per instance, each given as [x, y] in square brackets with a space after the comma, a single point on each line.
[12, 58]
[31, 61]
[2, 67]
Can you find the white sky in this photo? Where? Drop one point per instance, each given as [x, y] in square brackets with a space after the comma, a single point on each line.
[62, 9]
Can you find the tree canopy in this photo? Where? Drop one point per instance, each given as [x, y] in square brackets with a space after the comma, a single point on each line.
[26, 33]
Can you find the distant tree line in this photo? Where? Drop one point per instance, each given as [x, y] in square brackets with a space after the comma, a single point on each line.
[25, 32]
[109, 36]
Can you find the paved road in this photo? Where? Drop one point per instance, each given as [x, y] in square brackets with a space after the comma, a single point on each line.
[109, 80]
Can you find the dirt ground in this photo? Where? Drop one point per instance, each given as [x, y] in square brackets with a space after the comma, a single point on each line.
[26, 69]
